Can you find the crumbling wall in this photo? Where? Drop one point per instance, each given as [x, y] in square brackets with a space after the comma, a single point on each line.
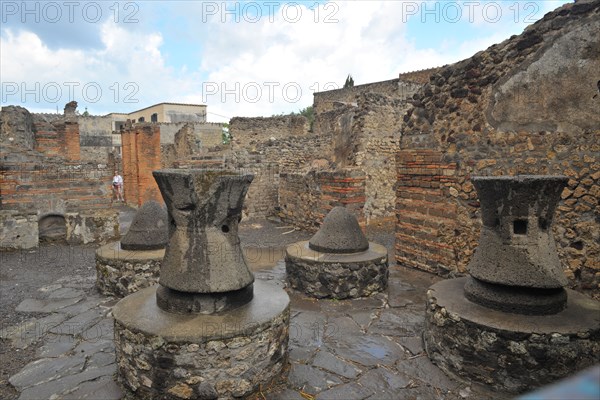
[246, 132]
[528, 105]
[47, 176]
[16, 127]
[330, 99]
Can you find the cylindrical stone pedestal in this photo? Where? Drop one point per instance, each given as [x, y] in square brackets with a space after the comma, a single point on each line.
[198, 356]
[510, 352]
[338, 276]
[122, 272]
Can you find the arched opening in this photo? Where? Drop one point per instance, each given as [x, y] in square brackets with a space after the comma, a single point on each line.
[52, 228]
[154, 117]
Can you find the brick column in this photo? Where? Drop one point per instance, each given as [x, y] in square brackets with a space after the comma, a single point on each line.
[148, 160]
[128, 150]
[71, 141]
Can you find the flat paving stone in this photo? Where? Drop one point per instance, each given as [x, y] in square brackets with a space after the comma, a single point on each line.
[363, 318]
[102, 359]
[367, 350]
[66, 293]
[341, 326]
[89, 347]
[384, 383]
[327, 361]
[79, 323]
[30, 331]
[408, 321]
[104, 329]
[66, 383]
[413, 344]
[46, 305]
[310, 379]
[423, 369]
[84, 305]
[101, 389]
[349, 391]
[307, 329]
[45, 370]
[285, 394]
[56, 345]
[342, 307]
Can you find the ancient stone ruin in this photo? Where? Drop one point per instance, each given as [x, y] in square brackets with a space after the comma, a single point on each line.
[208, 330]
[338, 261]
[511, 324]
[123, 267]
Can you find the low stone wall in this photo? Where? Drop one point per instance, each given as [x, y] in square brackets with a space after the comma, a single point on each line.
[227, 355]
[122, 272]
[338, 276]
[305, 199]
[509, 352]
[18, 230]
[94, 226]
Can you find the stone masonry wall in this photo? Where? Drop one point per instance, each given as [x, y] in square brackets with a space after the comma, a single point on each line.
[246, 132]
[326, 100]
[528, 105]
[305, 199]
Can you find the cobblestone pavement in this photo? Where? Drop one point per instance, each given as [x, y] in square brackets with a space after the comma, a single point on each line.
[367, 348]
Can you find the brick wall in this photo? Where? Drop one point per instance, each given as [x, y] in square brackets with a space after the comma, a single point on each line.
[423, 211]
[31, 181]
[141, 156]
[305, 199]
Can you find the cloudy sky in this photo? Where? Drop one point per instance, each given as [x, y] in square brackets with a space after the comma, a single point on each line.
[250, 58]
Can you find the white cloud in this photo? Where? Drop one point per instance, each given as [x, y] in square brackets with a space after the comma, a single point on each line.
[127, 68]
[367, 39]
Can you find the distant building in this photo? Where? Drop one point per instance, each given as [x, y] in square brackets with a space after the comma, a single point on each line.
[162, 112]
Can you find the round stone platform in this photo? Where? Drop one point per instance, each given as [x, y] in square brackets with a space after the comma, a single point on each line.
[200, 356]
[510, 352]
[121, 272]
[338, 276]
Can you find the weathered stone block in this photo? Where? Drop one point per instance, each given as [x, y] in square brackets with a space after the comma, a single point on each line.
[97, 226]
[18, 231]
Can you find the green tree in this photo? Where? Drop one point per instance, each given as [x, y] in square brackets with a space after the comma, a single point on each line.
[349, 82]
[309, 113]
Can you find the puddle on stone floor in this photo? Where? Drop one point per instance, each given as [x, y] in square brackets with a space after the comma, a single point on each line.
[260, 258]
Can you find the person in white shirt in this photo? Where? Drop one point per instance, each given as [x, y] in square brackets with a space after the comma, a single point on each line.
[117, 185]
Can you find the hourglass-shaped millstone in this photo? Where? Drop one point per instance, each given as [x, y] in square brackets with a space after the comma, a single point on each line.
[516, 268]
[204, 270]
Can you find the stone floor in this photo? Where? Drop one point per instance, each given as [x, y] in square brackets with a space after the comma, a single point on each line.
[367, 348]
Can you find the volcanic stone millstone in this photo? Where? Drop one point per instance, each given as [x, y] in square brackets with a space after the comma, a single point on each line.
[148, 230]
[339, 233]
[516, 267]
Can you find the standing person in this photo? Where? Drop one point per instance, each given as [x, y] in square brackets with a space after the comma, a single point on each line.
[117, 185]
